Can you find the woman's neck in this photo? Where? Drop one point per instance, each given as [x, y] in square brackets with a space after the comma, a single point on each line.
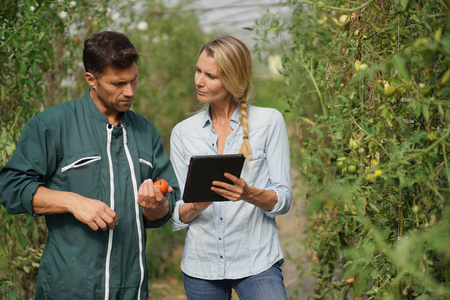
[221, 119]
[222, 112]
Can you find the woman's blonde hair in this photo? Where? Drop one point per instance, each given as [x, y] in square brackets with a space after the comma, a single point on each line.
[234, 62]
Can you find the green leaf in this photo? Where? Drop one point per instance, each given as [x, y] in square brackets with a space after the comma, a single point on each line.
[27, 44]
[376, 8]
[417, 107]
[30, 82]
[15, 43]
[23, 68]
[426, 112]
[400, 65]
[23, 241]
[35, 70]
[374, 207]
[445, 42]
[402, 5]
[328, 151]
[422, 135]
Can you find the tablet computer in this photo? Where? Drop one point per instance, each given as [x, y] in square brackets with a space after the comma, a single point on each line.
[204, 169]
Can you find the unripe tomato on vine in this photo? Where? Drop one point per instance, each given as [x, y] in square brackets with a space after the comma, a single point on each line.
[352, 169]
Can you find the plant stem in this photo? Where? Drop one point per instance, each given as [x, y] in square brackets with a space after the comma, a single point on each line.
[317, 88]
[400, 217]
[419, 152]
[340, 8]
[15, 121]
[447, 171]
[15, 32]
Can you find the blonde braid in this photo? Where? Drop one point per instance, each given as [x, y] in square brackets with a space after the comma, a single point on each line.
[243, 119]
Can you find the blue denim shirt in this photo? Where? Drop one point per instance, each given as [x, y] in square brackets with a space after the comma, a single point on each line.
[231, 240]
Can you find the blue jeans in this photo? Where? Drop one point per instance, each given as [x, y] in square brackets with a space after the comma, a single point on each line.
[267, 285]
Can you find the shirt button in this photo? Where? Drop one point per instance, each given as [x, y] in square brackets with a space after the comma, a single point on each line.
[221, 218]
[220, 238]
[221, 256]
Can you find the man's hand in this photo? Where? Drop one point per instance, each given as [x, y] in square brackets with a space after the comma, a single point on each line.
[93, 213]
[154, 203]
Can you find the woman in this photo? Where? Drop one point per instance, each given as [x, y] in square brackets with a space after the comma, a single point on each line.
[233, 244]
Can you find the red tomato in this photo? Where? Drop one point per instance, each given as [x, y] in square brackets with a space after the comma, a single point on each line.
[350, 280]
[162, 184]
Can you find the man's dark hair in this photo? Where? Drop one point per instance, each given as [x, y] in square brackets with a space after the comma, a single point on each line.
[108, 48]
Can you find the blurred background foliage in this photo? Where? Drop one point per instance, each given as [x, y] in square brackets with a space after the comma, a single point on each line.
[365, 93]
[370, 92]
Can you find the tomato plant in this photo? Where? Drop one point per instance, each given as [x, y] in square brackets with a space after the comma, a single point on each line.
[374, 154]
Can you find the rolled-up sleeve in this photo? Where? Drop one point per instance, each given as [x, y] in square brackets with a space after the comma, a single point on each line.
[164, 169]
[33, 161]
[279, 165]
[176, 223]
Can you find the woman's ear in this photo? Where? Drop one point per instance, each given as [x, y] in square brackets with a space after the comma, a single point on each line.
[90, 79]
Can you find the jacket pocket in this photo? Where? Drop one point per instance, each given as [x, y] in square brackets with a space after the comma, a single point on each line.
[62, 276]
[72, 281]
[81, 162]
[146, 165]
[82, 174]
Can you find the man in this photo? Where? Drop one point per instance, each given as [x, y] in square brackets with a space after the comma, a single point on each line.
[88, 165]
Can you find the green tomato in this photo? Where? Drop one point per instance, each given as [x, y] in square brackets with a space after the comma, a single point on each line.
[353, 144]
[340, 164]
[352, 169]
[389, 89]
[363, 67]
[343, 19]
[415, 209]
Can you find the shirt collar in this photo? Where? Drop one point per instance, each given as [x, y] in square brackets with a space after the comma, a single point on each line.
[234, 118]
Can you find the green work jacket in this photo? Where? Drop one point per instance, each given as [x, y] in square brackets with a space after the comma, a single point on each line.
[71, 147]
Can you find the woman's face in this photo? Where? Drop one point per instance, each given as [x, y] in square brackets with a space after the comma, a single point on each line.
[209, 87]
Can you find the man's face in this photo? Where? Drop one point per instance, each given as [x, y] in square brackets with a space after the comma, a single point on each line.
[113, 91]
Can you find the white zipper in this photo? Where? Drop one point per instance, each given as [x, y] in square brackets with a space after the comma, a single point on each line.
[77, 164]
[136, 207]
[111, 199]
